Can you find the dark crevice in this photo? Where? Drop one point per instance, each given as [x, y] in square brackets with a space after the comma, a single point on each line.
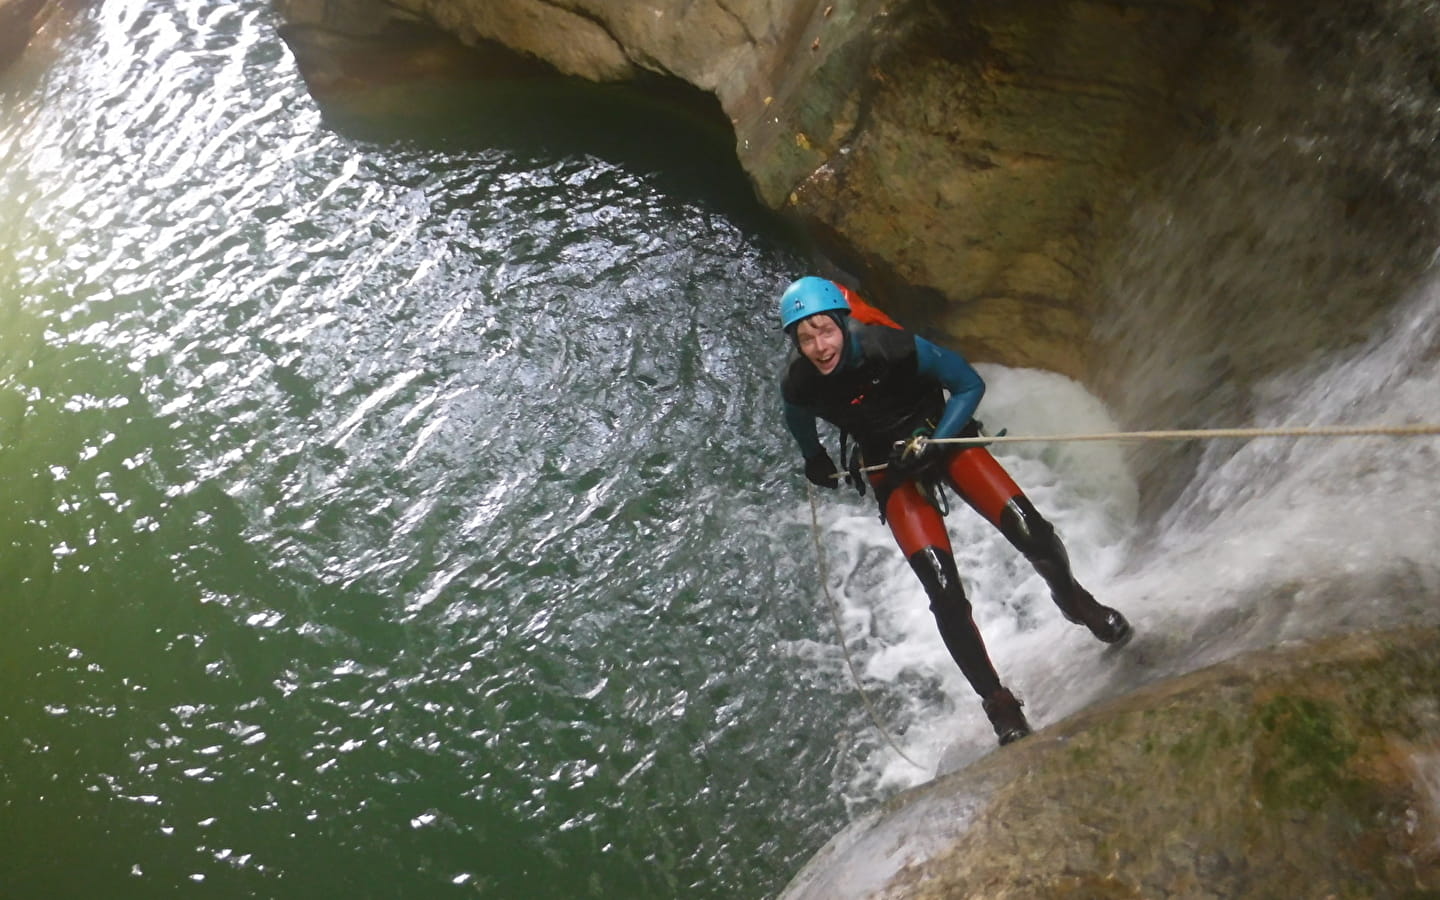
[414, 82]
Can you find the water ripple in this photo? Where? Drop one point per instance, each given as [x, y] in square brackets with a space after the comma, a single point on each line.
[390, 492]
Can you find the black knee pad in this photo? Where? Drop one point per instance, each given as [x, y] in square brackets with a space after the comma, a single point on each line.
[941, 579]
[1030, 533]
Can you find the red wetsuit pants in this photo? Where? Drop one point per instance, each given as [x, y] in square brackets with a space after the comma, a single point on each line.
[919, 529]
[973, 474]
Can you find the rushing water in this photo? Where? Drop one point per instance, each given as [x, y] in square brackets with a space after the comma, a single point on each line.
[385, 517]
[392, 516]
[410, 515]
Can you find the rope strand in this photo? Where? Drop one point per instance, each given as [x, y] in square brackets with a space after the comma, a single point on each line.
[840, 631]
[1209, 433]
[1331, 431]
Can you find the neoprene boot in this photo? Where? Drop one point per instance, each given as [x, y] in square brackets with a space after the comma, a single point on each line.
[1034, 536]
[1003, 710]
[1105, 623]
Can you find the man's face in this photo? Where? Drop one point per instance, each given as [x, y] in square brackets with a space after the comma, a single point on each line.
[820, 340]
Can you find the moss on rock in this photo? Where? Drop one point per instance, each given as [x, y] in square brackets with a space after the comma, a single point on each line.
[1289, 772]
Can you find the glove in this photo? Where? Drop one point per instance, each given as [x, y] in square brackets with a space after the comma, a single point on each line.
[820, 469]
[976, 428]
[909, 461]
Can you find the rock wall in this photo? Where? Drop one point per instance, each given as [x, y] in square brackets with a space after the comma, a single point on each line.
[979, 165]
[965, 162]
[19, 19]
[1308, 771]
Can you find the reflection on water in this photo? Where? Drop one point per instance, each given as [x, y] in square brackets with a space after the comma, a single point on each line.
[382, 511]
[404, 509]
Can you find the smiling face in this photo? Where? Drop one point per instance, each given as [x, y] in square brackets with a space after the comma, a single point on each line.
[821, 341]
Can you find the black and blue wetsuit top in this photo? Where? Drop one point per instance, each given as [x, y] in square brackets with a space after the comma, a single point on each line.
[888, 384]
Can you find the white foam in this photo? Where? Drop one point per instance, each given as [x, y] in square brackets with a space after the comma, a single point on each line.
[1427, 781]
[1283, 539]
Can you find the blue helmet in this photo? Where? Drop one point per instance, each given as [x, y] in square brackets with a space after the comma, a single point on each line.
[809, 296]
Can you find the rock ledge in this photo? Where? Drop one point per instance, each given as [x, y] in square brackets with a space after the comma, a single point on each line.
[1306, 770]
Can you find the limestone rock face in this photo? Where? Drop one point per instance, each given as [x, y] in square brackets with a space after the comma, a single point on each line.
[973, 165]
[981, 156]
[1304, 771]
[19, 20]
[970, 154]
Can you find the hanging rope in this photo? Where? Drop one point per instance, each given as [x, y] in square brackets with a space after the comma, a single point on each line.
[840, 631]
[1331, 431]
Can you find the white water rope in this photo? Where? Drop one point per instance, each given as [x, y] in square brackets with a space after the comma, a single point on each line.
[840, 631]
[1331, 431]
[1208, 433]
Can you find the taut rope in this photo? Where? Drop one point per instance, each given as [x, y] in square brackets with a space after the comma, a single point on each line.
[1210, 433]
[1331, 431]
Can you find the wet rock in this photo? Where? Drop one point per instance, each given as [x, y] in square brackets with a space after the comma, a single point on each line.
[362, 59]
[972, 165]
[1314, 765]
[19, 20]
[965, 160]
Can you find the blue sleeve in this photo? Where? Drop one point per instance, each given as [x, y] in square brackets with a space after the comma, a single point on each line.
[965, 385]
[802, 427]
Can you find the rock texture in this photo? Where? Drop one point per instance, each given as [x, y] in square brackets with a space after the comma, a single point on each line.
[971, 154]
[981, 159]
[1305, 771]
[19, 19]
[973, 165]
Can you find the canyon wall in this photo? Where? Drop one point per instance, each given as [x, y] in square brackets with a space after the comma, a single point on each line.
[965, 163]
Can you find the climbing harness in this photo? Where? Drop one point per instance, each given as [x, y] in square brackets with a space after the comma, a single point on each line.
[851, 459]
[840, 631]
[852, 470]
[1187, 435]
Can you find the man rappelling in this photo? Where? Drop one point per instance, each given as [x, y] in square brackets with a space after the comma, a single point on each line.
[886, 388]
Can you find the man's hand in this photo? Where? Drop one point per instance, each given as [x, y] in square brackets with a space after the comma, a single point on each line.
[820, 469]
[910, 458]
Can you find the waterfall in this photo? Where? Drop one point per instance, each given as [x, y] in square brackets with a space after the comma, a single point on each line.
[1278, 271]
[411, 512]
